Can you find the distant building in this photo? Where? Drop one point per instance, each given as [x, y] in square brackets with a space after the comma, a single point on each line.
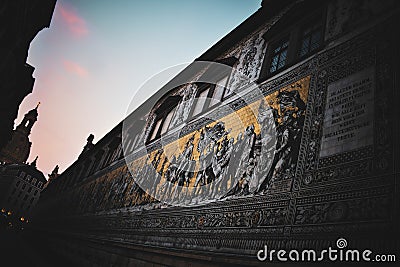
[21, 22]
[20, 183]
[20, 187]
[18, 148]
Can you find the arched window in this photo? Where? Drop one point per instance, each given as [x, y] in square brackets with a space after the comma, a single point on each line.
[164, 116]
[213, 85]
[210, 95]
[162, 124]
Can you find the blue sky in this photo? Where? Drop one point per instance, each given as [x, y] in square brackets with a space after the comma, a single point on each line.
[96, 54]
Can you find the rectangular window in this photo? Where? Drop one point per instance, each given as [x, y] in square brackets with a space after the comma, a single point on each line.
[279, 55]
[200, 102]
[311, 39]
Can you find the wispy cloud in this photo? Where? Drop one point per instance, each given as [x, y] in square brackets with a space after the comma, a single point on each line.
[75, 68]
[75, 23]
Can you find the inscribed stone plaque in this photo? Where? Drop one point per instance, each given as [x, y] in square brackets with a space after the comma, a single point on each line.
[349, 111]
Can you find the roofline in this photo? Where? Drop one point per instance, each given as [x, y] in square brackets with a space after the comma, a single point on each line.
[256, 20]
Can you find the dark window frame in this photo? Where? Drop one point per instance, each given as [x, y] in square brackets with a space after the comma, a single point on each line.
[277, 49]
[214, 74]
[316, 24]
[161, 117]
[294, 36]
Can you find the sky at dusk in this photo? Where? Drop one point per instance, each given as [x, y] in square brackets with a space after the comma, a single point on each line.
[97, 54]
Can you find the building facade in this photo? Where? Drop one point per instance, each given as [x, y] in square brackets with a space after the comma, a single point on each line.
[20, 182]
[281, 134]
[20, 186]
[21, 22]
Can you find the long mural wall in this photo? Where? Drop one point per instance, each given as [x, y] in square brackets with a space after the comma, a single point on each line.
[231, 157]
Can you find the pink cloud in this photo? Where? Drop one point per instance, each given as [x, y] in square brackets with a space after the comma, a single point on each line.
[76, 24]
[75, 68]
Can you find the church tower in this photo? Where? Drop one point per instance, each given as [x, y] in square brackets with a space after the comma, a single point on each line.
[18, 148]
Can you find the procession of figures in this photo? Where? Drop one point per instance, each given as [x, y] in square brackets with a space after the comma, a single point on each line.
[224, 166]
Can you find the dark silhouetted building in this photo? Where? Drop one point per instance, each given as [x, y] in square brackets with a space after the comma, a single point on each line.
[18, 148]
[20, 22]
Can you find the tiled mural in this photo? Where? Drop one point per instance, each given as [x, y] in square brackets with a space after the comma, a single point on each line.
[234, 156]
